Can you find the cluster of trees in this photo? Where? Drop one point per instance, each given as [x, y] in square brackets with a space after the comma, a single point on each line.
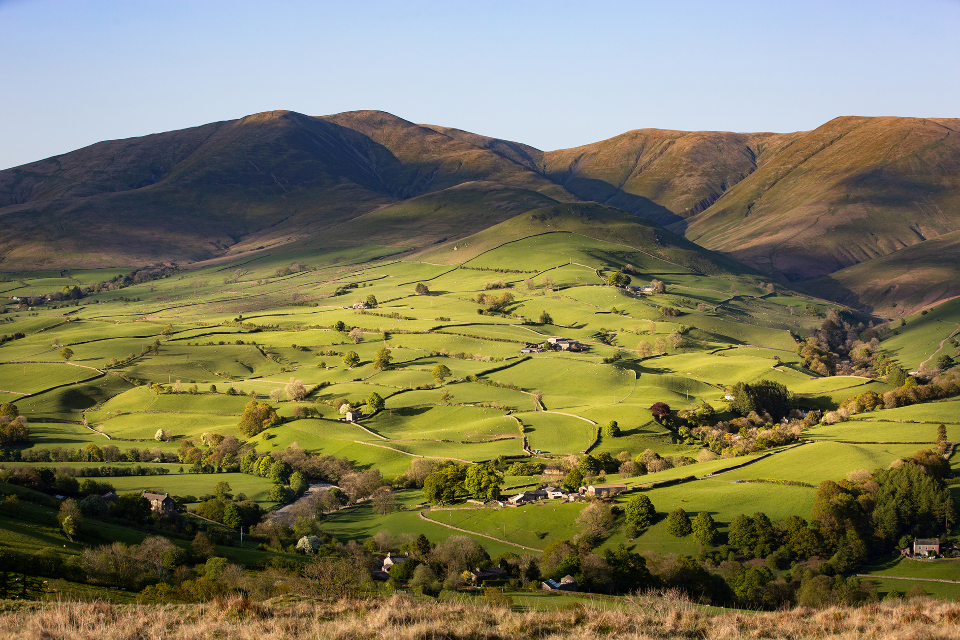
[224, 509]
[137, 276]
[659, 346]
[13, 426]
[454, 481]
[256, 417]
[764, 396]
[841, 346]
[909, 393]
[741, 436]
[494, 304]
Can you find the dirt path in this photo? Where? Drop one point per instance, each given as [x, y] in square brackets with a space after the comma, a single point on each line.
[482, 535]
[285, 513]
[938, 349]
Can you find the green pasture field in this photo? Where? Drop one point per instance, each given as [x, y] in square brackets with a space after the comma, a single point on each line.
[554, 433]
[813, 463]
[943, 590]
[857, 430]
[882, 574]
[721, 498]
[534, 525]
[467, 451]
[48, 435]
[67, 403]
[330, 437]
[457, 424]
[182, 426]
[739, 341]
[196, 484]
[568, 382]
[33, 378]
[947, 411]
[359, 523]
[464, 393]
[920, 338]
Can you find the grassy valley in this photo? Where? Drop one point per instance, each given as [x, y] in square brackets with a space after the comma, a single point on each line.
[151, 379]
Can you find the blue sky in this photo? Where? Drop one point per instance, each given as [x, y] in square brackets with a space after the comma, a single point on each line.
[553, 74]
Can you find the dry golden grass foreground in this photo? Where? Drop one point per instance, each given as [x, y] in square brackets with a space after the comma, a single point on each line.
[403, 618]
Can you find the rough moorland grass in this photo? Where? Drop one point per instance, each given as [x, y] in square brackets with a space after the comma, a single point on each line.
[645, 617]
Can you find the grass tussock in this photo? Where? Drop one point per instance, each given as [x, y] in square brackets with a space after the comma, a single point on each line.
[642, 617]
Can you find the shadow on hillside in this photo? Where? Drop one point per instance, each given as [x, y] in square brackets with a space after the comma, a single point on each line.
[607, 194]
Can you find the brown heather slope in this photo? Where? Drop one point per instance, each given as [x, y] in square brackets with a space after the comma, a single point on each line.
[665, 176]
[848, 192]
[269, 179]
[913, 278]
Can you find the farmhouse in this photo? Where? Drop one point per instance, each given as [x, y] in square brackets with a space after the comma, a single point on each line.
[352, 416]
[391, 560]
[554, 492]
[360, 304]
[527, 496]
[160, 503]
[926, 547]
[567, 583]
[566, 344]
[478, 575]
[530, 349]
[605, 490]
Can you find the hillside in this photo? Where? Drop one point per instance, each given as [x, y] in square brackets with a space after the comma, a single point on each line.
[666, 176]
[850, 191]
[899, 283]
[190, 195]
[795, 206]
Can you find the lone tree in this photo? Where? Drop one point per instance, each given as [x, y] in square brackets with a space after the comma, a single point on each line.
[351, 359]
[639, 512]
[612, 430]
[372, 300]
[545, 318]
[381, 360]
[618, 279]
[705, 529]
[660, 410]
[422, 289]
[295, 390]
[441, 372]
[375, 401]
[678, 523]
[356, 334]
[944, 362]
[66, 353]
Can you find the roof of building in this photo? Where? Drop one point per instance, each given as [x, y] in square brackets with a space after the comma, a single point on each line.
[608, 486]
[155, 496]
[926, 541]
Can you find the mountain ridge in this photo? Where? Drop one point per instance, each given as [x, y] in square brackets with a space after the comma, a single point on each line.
[798, 205]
